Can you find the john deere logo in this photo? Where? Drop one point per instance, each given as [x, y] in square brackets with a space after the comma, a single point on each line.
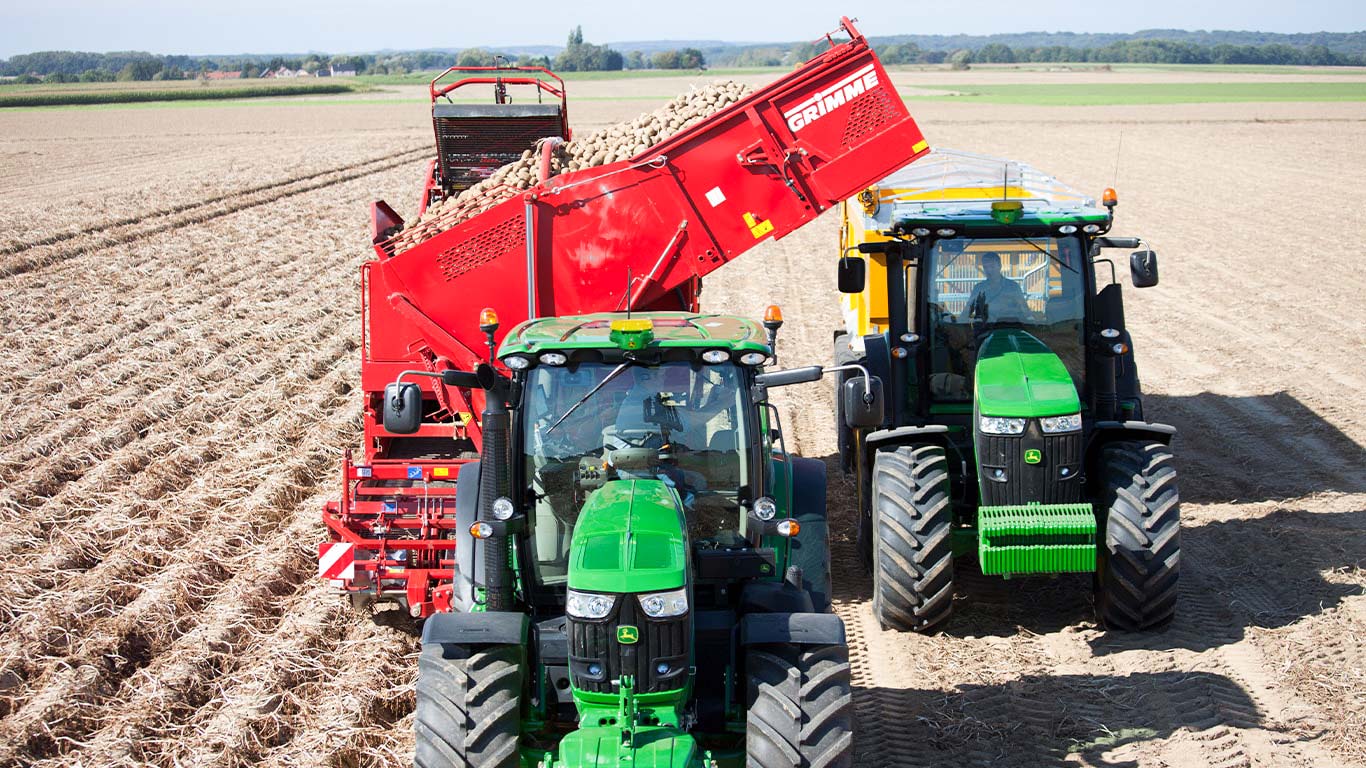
[627, 634]
[1033, 456]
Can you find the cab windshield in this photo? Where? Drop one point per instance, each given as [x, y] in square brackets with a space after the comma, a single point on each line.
[979, 285]
[679, 422]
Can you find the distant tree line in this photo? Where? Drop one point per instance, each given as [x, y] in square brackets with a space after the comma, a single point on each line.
[72, 66]
[1335, 49]
[1133, 52]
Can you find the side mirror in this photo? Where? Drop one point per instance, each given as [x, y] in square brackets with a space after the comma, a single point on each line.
[1143, 269]
[858, 411]
[402, 408]
[852, 274]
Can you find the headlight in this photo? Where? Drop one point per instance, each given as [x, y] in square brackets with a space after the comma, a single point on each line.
[1069, 423]
[517, 362]
[663, 605]
[714, 356]
[995, 425]
[554, 358]
[586, 605]
[753, 358]
[765, 508]
[502, 508]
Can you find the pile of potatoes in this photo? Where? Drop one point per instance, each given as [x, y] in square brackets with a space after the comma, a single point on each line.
[608, 145]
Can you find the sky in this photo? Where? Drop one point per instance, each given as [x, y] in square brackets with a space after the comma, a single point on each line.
[344, 26]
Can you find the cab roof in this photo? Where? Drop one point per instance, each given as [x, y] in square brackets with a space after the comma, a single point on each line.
[667, 329]
[954, 189]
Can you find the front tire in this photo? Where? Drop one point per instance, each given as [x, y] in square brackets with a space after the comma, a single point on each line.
[913, 538]
[1139, 565]
[468, 707]
[800, 707]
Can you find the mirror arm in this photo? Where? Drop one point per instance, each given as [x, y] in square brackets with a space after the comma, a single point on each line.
[867, 385]
[432, 374]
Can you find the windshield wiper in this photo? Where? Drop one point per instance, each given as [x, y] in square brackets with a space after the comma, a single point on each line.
[1061, 263]
[591, 392]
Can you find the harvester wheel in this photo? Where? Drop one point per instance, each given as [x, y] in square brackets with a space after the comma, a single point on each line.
[800, 707]
[1138, 566]
[468, 706]
[844, 436]
[912, 545]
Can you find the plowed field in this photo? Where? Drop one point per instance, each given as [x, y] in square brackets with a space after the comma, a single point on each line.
[180, 315]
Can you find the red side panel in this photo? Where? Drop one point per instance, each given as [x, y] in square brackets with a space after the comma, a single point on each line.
[759, 169]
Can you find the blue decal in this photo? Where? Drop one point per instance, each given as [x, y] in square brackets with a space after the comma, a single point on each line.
[414, 473]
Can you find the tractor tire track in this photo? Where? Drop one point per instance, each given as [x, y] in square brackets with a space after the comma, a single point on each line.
[145, 226]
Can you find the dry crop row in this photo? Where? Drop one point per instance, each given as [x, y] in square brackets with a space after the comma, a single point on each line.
[165, 496]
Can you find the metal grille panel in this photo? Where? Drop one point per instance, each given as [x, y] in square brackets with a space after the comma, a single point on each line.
[1042, 483]
[482, 248]
[597, 641]
[867, 114]
[470, 149]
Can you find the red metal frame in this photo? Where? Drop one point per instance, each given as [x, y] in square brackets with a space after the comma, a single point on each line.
[499, 79]
[759, 169]
[433, 188]
[404, 532]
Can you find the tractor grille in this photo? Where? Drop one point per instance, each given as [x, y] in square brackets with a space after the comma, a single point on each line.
[661, 641]
[471, 148]
[1041, 483]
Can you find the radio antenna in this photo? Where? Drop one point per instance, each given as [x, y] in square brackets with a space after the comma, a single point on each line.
[628, 293]
[1118, 146]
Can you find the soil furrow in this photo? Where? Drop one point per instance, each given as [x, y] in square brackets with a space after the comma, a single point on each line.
[28, 263]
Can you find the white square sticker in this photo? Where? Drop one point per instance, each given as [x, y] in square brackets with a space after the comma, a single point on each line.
[716, 196]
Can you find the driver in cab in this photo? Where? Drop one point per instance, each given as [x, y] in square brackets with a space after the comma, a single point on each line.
[997, 297]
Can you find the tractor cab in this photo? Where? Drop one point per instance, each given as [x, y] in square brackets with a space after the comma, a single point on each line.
[979, 291]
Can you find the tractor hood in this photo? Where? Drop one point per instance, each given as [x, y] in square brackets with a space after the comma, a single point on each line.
[630, 537]
[1019, 376]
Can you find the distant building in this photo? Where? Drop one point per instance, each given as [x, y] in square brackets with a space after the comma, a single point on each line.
[303, 73]
[223, 75]
[340, 72]
[278, 73]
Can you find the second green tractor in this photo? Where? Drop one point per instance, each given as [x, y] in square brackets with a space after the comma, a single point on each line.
[978, 291]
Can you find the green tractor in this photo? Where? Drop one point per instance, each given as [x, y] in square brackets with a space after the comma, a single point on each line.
[977, 291]
[642, 571]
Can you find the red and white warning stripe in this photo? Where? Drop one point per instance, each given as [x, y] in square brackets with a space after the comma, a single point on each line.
[337, 560]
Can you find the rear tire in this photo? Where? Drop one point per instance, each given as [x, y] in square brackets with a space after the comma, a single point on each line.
[913, 538]
[800, 707]
[810, 550]
[468, 707]
[1140, 562]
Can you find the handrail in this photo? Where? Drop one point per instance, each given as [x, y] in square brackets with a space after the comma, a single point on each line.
[540, 83]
